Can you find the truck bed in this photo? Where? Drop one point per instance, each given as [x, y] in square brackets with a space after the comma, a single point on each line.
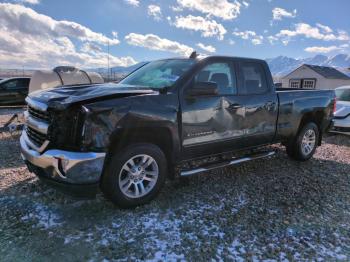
[295, 103]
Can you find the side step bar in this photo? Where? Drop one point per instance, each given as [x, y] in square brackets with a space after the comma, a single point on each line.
[234, 161]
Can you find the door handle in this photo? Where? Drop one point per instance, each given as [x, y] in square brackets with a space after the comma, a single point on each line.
[234, 106]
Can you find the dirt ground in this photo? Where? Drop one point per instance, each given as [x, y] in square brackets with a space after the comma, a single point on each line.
[271, 209]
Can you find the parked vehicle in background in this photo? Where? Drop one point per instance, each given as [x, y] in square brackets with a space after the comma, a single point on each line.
[341, 123]
[127, 138]
[61, 76]
[13, 91]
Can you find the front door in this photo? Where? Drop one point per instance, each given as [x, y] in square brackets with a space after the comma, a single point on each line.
[210, 122]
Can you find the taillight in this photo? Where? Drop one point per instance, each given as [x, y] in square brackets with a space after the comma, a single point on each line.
[334, 106]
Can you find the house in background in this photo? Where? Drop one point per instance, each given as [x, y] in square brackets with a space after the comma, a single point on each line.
[315, 77]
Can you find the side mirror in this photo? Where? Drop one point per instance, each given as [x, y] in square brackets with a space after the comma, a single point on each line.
[203, 89]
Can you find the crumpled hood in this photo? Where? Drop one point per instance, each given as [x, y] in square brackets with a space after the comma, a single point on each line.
[63, 97]
[342, 109]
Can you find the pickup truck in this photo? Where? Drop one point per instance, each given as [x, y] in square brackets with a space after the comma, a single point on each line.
[128, 138]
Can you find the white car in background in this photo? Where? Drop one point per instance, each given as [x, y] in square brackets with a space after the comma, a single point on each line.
[342, 113]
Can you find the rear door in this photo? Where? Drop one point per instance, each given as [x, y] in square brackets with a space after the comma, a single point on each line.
[258, 98]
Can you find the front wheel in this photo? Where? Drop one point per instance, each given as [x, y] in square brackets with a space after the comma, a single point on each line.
[135, 176]
[304, 145]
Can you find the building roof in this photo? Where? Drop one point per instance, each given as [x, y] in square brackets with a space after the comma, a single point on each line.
[328, 72]
[325, 71]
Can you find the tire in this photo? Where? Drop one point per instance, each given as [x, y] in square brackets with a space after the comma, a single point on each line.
[126, 171]
[304, 145]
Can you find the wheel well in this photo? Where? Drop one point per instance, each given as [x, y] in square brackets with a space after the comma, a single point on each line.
[160, 137]
[315, 117]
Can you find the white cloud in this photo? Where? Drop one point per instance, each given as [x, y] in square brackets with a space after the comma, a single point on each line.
[155, 12]
[91, 48]
[278, 13]
[31, 2]
[272, 39]
[322, 49]
[250, 35]
[17, 17]
[306, 30]
[208, 28]
[133, 2]
[325, 28]
[154, 42]
[207, 48]
[219, 8]
[343, 36]
[30, 39]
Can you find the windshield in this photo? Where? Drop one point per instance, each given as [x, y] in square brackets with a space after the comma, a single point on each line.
[159, 74]
[343, 94]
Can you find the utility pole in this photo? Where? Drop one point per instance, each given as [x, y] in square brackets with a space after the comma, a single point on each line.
[108, 62]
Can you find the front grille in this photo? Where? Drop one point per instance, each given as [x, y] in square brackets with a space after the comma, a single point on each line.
[36, 137]
[42, 115]
[36, 120]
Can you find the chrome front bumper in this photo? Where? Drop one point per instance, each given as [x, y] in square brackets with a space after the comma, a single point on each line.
[64, 166]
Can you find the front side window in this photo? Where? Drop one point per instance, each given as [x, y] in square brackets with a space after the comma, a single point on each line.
[343, 94]
[159, 74]
[221, 74]
[253, 79]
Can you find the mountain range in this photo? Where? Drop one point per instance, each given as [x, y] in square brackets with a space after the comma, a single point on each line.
[283, 65]
[279, 66]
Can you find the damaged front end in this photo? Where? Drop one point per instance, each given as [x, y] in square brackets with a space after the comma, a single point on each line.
[51, 143]
[67, 131]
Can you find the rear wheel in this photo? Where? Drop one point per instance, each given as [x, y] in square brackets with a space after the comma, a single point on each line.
[135, 176]
[304, 145]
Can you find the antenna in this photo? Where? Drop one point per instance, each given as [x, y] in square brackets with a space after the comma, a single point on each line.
[194, 54]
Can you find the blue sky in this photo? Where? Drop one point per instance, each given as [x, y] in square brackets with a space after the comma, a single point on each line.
[44, 33]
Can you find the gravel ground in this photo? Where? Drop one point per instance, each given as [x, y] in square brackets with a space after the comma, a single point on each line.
[270, 209]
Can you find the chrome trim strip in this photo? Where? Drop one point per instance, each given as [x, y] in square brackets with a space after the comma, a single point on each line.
[40, 126]
[30, 144]
[233, 162]
[36, 104]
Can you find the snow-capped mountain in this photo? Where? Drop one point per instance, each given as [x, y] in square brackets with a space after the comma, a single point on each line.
[282, 65]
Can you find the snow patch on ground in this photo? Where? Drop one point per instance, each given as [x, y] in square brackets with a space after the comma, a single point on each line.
[43, 217]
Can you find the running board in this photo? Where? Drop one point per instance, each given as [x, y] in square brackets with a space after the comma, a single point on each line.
[234, 161]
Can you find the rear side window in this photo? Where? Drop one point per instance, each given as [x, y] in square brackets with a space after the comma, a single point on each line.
[253, 79]
[23, 83]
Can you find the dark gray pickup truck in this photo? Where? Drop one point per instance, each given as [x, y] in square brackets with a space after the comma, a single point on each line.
[127, 138]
